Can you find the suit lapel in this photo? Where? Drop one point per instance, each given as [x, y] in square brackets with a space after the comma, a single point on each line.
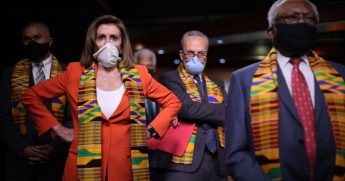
[31, 77]
[319, 103]
[285, 96]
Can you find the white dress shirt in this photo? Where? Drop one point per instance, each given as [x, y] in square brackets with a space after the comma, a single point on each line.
[304, 67]
[47, 65]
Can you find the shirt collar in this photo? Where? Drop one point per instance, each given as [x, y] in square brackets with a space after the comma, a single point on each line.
[46, 62]
[283, 61]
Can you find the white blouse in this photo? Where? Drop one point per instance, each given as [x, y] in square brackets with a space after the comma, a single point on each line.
[108, 101]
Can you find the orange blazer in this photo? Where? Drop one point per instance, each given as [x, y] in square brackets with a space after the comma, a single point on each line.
[116, 145]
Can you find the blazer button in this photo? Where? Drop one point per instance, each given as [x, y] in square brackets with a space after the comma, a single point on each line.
[106, 123]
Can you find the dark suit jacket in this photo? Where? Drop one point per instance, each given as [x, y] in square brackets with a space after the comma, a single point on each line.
[16, 164]
[204, 114]
[240, 157]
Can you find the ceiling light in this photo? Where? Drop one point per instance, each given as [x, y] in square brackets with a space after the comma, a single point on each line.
[220, 41]
[222, 61]
[176, 61]
[160, 51]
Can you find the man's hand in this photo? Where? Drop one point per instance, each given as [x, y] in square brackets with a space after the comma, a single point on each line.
[48, 150]
[66, 134]
[39, 154]
[34, 154]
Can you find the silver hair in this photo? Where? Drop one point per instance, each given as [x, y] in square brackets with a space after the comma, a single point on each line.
[193, 33]
[272, 13]
[145, 52]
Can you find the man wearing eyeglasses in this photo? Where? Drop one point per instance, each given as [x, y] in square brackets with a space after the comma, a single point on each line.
[285, 119]
[202, 110]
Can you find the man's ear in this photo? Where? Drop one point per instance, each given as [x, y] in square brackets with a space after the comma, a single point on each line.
[270, 32]
[181, 55]
[51, 40]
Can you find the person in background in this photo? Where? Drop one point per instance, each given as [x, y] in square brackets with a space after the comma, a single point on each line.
[203, 107]
[147, 58]
[285, 119]
[29, 156]
[107, 92]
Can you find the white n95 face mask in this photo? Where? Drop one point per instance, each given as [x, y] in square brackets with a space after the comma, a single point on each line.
[107, 56]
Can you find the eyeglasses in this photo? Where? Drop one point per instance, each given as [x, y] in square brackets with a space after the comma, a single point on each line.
[296, 17]
[190, 54]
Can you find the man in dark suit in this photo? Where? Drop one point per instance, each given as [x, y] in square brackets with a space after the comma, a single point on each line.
[202, 105]
[29, 157]
[285, 118]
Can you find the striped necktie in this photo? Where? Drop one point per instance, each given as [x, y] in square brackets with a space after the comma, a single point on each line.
[40, 73]
[210, 133]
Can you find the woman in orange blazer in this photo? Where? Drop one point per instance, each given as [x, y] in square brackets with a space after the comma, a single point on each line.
[106, 95]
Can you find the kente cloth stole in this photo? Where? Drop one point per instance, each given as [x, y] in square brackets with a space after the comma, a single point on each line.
[264, 108]
[90, 121]
[215, 96]
[20, 83]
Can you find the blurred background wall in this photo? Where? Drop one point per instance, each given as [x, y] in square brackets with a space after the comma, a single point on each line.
[237, 29]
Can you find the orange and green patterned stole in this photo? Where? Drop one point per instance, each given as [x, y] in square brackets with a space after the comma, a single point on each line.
[264, 108]
[20, 83]
[215, 96]
[332, 86]
[89, 135]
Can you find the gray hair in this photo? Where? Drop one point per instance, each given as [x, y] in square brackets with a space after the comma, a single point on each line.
[272, 13]
[145, 51]
[193, 33]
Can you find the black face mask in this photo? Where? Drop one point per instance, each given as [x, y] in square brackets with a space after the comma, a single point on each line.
[294, 39]
[36, 51]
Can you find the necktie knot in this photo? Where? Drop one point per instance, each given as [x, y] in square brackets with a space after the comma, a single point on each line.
[295, 61]
[39, 65]
[197, 78]
[200, 86]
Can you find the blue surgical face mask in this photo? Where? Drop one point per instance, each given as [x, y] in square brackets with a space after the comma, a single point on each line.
[194, 66]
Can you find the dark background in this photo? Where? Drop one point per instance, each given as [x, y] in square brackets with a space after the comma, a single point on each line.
[240, 25]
